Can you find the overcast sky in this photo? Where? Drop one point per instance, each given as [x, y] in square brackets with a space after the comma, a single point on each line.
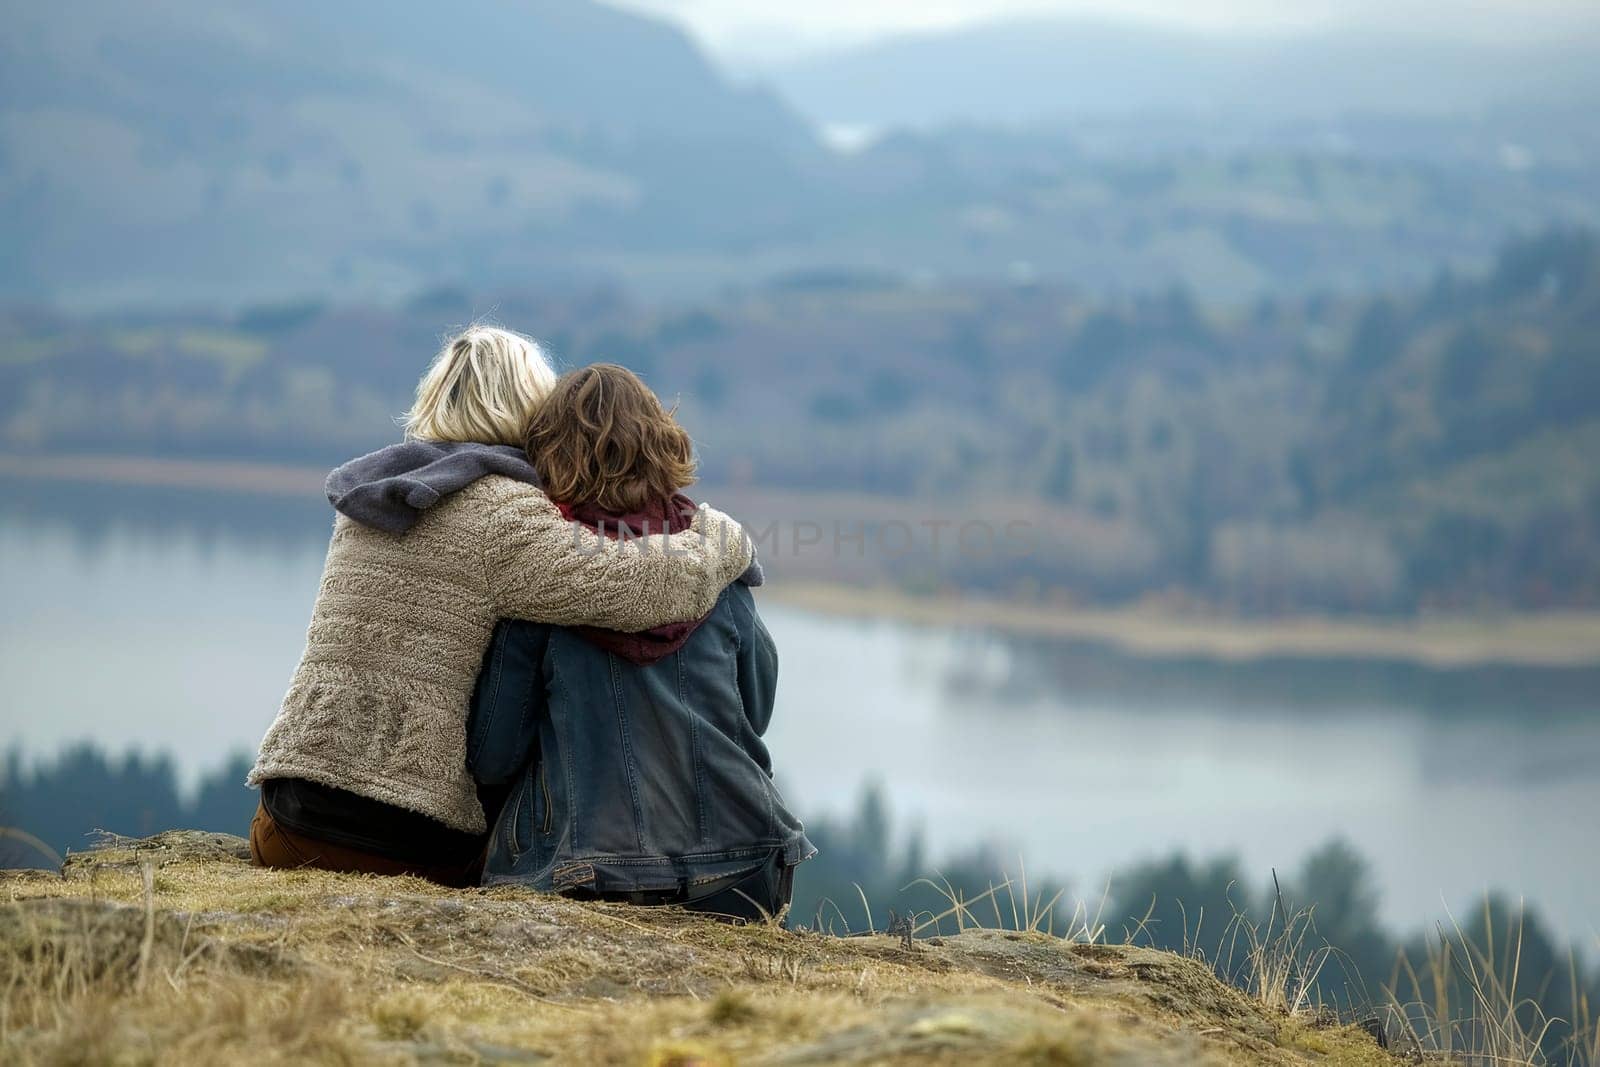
[746, 32]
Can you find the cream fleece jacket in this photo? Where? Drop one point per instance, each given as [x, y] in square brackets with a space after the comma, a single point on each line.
[378, 705]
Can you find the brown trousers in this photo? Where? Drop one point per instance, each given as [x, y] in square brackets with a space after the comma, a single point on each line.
[273, 846]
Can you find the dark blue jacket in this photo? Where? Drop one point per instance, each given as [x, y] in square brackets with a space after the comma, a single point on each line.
[625, 777]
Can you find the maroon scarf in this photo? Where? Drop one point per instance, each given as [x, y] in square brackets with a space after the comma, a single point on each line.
[668, 516]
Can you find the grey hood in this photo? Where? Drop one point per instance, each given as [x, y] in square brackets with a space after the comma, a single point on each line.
[390, 489]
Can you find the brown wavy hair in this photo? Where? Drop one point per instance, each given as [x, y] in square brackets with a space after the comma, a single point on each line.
[602, 437]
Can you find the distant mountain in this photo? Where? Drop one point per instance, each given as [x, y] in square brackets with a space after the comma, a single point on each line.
[193, 153]
[1031, 70]
[362, 146]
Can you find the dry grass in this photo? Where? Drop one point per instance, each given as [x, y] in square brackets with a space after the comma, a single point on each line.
[1276, 963]
[1467, 1002]
[1031, 914]
[1585, 1018]
[1283, 959]
[176, 950]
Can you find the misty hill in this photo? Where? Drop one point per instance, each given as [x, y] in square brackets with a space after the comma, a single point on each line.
[1042, 69]
[187, 155]
[303, 146]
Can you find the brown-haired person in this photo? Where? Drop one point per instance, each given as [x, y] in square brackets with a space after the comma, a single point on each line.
[634, 761]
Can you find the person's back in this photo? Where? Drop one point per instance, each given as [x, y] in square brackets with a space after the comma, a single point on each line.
[643, 778]
[634, 762]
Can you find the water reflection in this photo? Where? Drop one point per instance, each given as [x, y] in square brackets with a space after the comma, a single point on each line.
[1030, 670]
[91, 518]
[1535, 723]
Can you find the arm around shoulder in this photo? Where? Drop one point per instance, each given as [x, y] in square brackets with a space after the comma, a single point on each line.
[543, 568]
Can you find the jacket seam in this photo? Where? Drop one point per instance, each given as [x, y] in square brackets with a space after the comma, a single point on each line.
[486, 727]
[746, 727]
[514, 846]
[747, 852]
[574, 826]
[629, 767]
[695, 754]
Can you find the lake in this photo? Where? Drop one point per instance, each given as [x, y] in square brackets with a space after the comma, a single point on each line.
[173, 624]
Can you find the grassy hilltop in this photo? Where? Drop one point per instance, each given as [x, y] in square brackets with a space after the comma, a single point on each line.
[174, 949]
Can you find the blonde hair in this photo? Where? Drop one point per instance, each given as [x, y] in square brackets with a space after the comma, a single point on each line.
[482, 386]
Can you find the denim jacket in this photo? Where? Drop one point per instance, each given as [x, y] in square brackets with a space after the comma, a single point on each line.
[625, 777]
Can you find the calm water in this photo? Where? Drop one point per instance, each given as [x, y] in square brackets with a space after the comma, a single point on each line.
[181, 637]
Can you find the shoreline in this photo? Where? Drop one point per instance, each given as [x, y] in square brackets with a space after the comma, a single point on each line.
[1552, 640]
[219, 476]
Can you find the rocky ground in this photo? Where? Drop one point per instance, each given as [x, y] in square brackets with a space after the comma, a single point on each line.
[175, 949]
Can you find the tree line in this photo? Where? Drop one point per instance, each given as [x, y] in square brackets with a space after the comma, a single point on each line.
[1423, 448]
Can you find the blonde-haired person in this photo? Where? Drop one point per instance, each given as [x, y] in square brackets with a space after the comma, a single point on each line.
[436, 538]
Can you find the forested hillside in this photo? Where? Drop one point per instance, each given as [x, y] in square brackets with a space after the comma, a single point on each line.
[1430, 448]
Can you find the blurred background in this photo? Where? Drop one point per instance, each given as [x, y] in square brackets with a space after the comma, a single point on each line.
[1277, 324]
